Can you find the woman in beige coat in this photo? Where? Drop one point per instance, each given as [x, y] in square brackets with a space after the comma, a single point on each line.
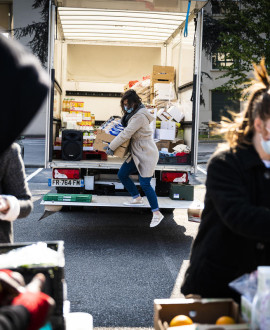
[143, 152]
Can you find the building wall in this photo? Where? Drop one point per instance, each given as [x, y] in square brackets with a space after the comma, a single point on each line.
[207, 86]
[24, 14]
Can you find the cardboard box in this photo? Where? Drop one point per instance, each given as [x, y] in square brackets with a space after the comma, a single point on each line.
[162, 74]
[164, 91]
[203, 312]
[167, 125]
[162, 114]
[168, 144]
[102, 140]
[165, 134]
[163, 144]
[182, 192]
[174, 143]
[176, 113]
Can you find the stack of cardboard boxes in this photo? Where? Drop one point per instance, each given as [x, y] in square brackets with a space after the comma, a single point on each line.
[162, 84]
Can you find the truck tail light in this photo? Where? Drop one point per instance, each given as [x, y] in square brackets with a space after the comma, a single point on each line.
[181, 177]
[63, 173]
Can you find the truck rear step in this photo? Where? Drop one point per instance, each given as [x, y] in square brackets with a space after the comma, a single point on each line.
[117, 201]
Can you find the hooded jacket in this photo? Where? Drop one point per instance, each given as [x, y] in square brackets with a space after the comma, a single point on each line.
[23, 88]
[143, 149]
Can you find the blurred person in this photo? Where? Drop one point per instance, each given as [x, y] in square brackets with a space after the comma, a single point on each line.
[23, 88]
[234, 233]
[143, 152]
[23, 307]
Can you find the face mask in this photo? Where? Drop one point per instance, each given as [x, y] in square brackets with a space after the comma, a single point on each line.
[128, 110]
[266, 144]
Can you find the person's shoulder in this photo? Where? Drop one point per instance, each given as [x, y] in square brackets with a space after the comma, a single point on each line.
[12, 151]
[223, 153]
[15, 148]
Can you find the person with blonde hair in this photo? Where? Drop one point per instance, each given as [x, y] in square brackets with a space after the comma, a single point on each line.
[234, 233]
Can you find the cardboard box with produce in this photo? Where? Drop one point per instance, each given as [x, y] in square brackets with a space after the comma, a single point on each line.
[107, 132]
[197, 314]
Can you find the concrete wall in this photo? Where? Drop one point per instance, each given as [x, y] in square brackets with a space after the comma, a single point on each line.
[23, 14]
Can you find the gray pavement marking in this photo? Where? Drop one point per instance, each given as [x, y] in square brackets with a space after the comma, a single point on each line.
[34, 174]
[201, 170]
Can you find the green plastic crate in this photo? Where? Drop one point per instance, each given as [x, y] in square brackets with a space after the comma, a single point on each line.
[83, 198]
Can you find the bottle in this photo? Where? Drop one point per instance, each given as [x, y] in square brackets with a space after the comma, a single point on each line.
[260, 313]
[93, 119]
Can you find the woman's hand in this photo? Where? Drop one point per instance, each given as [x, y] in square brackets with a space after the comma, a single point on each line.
[4, 205]
[108, 151]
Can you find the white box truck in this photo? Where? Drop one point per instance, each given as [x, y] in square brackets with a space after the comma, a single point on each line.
[95, 48]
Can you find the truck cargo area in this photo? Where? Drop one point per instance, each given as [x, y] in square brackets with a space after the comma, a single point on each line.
[97, 51]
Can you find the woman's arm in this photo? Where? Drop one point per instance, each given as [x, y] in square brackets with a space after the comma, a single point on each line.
[135, 123]
[14, 184]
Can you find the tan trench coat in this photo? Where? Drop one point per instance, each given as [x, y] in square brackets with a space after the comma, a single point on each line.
[143, 149]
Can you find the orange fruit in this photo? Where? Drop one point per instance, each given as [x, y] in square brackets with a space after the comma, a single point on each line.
[225, 320]
[180, 320]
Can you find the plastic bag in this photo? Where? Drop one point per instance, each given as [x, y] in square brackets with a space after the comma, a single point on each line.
[246, 285]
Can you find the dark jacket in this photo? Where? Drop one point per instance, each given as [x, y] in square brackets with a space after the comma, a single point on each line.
[12, 182]
[234, 234]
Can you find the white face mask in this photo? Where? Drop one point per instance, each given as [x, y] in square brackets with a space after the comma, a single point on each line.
[266, 143]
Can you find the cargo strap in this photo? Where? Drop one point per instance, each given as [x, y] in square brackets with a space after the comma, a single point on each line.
[186, 23]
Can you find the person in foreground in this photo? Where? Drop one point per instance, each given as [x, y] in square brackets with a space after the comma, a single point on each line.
[20, 71]
[234, 233]
[15, 197]
[143, 152]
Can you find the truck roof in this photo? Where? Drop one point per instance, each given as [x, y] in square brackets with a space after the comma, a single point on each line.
[146, 21]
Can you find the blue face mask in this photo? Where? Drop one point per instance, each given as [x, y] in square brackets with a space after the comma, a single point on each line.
[128, 110]
[265, 145]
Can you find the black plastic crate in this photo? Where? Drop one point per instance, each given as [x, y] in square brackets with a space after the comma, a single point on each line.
[175, 160]
[54, 285]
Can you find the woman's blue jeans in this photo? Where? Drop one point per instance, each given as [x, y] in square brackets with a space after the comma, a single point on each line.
[123, 174]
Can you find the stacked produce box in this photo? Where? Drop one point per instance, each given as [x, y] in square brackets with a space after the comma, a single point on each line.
[75, 116]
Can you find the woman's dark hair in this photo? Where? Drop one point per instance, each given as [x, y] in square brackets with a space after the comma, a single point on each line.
[132, 97]
[241, 130]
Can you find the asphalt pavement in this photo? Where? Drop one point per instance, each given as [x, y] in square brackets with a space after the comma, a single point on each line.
[116, 265]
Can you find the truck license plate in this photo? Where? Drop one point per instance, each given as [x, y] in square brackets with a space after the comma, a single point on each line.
[65, 182]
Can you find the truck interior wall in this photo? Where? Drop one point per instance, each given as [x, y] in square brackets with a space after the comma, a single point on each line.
[58, 54]
[106, 69]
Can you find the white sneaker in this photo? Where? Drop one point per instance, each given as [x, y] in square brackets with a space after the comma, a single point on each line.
[135, 202]
[156, 220]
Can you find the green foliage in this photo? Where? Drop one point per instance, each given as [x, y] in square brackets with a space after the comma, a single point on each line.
[243, 33]
[39, 31]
